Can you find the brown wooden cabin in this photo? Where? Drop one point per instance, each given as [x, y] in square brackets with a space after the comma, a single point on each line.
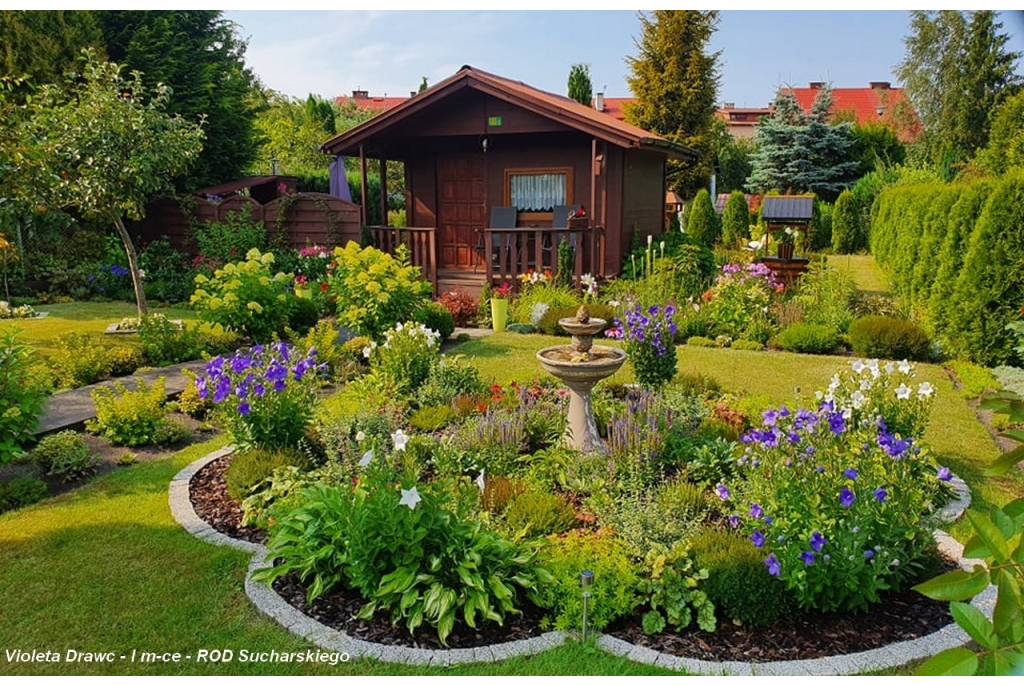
[477, 141]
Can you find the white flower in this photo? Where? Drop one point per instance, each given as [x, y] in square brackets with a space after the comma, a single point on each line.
[538, 311]
[858, 399]
[905, 366]
[400, 439]
[865, 384]
[925, 390]
[368, 350]
[857, 365]
[873, 367]
[360, 436]
[903, 392]
[410, 498]
[890, 367]
[480, 481]
[367, 458]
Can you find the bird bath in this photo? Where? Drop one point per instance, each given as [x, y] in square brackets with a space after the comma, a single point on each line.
[580, 366]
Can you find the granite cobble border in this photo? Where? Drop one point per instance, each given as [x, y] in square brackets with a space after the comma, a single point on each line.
[301, 625]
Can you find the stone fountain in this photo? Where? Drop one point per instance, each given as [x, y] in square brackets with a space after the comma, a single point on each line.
[580, 366]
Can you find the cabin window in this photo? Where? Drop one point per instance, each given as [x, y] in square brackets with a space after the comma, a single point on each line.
[537, 190]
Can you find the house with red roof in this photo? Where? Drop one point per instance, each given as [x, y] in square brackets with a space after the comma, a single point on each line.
[361, 99]
[878, 103]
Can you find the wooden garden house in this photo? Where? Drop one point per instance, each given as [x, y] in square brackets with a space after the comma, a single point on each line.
[493, 168]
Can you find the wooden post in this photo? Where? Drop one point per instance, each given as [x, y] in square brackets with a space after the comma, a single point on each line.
[362, 178]
[384, 192]
[593, 211]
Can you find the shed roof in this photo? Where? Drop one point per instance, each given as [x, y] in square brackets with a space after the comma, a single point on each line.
[783, 207]
[555, 107]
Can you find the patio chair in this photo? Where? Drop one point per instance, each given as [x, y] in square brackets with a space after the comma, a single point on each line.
[560, 220]
[501, 217]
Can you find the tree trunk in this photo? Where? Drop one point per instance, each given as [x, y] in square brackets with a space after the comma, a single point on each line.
[133, 265]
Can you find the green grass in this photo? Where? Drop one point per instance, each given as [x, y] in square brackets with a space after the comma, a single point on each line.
[106, 568]
[79, 317]
[864, 272]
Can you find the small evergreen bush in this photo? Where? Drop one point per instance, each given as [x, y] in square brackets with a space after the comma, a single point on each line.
[808, 338]
[303, 313]
[735, 220]
[20, 492]
[887, 338]
[845, 224]
[539, 513]
[702, 224]
[751, 345]
[436, 317]
[737, 583]
[123, 360]
[251, 468]
[65, 454]
[78, 361]
[432, 418]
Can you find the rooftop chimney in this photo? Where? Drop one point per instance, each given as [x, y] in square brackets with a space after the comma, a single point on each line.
[599, 102]
[816, 85]
[729, 105]
[879, 85]
[360, 94]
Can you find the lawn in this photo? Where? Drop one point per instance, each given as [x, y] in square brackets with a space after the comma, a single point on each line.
[863, 270]
[106, 568]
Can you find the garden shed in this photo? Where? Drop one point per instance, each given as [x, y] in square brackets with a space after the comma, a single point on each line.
[493, 168]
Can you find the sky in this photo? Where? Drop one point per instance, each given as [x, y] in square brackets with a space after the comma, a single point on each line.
[332, 53]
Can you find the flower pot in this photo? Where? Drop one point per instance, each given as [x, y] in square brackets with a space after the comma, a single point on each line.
[786, 252]
[499, 314]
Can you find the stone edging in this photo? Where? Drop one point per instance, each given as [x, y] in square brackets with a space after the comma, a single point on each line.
[296, 622]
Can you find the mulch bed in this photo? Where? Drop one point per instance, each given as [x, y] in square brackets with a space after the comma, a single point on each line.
[900, 617]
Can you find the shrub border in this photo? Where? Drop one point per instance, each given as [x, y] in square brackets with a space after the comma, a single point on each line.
[273, 605]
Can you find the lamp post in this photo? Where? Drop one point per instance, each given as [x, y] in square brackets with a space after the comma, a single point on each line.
[586, 580]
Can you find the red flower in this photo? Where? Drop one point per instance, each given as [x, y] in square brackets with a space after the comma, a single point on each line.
[323, 287]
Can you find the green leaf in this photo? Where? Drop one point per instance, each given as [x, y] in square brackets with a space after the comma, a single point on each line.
[975, 624]
[956, 661]
[976, 549]
[1007, 603]
[988, 532]
[1015, 510]
[1014, 433]
[1005, 462]
[1004, 523]
[955, 586]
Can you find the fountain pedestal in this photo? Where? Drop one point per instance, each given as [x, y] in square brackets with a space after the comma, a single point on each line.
[580, 366]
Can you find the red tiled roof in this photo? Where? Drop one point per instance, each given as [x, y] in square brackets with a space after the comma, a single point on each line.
[616, 107]
[370, 102]
[876, 104]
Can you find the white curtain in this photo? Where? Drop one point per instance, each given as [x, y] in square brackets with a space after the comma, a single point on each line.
[537, 192]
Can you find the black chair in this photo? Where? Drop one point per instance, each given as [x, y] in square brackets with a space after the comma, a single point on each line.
[560, 220]
[501, 217]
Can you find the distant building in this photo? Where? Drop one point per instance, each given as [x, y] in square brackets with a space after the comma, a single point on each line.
[374, 103]
[742, 120]
[878, 103]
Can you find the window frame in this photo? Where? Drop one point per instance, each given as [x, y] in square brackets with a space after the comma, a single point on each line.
[537, 171]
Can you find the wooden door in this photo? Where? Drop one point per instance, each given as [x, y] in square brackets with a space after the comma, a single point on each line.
[463, 209]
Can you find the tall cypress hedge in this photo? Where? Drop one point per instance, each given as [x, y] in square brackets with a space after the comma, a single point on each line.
[845, 223]
[735, 220]
[702, 225]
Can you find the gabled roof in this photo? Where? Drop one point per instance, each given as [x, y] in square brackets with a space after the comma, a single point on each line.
[370, 103]
[878, 103]
[783, 207]
[555, 107]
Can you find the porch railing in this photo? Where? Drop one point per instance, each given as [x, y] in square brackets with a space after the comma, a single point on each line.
[511, 252]
[421, 241]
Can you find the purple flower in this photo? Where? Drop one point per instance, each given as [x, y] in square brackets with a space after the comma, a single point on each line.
[201, 388]
[756, 511]
[240, 363]
[774, 567]
[819, 468]
[734, 521]
[880, 494]
[723, 492]
[817, 541]
[846, 497]
[768, 520]
[244, 408]
[836, 424]
[757, 538]
[807, 557]
[258, 389]
[850, 473]
[220, 393]
[868, 554]
[944, 474]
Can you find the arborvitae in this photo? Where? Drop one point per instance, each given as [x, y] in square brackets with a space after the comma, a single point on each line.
[703, 223]
[735, 220]
[845, 220]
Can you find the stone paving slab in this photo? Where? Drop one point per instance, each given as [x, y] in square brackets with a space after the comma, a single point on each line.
[72, 408]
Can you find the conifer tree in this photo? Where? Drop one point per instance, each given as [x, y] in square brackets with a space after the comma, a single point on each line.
[580, 88]
[702, 225]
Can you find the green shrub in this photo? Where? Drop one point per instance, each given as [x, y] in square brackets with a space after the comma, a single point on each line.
[168, 277]
[673, 587]
[461, 305]
[432, 418]
[825, 294]
[539, 513]
[449, 377]
[375, 290]
[808, 338]
[189, 401]
[696, 383]
[701, 341]
[302, 314]
[123, 360]
[887, 338]
[845, 224]
[435, 317]
[21, 492]
[735, 220]
[692, 323]
[657, 519]
[220, 242]
[131, 418]
[78, 361]
[65, 454]
[498, 492]
[536, 298]
[245, 297]
[614, 592]
[21, 396]
[974, 379]
[548, 324]
[702, 222]
[737, 583]
[248, 469]
[750, 345]
[166, 342]
[406, 355]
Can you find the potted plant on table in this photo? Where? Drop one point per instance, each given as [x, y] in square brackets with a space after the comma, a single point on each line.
[499, 306]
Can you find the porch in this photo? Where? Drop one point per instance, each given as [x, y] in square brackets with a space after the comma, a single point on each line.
[501, 255]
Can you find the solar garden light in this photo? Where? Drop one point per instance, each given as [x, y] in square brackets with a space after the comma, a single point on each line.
[586, 580]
